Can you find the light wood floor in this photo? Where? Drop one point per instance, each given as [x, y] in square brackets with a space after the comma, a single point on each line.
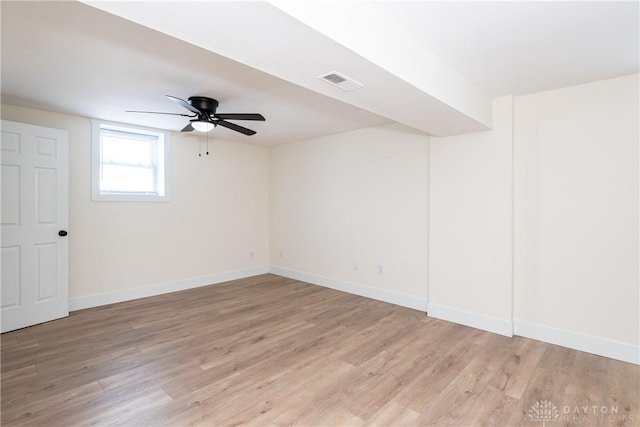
[273, 351]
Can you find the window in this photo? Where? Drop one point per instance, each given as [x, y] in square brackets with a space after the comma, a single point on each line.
[129, 163]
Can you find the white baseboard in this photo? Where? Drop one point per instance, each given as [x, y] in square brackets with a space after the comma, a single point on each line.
[475, 320]
[577, 341]
[562, 337]
[96, 300]
[396, 298]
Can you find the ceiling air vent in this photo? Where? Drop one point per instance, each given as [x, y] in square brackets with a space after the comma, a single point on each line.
[340, 80]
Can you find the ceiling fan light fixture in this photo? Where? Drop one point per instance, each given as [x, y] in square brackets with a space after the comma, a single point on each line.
[202, 125]
[206, 118]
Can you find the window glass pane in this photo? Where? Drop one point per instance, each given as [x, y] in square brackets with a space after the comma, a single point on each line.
[124, 150]
[128, 163]
[126, 179]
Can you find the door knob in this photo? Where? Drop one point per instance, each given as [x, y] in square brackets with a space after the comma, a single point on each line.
[62, 233]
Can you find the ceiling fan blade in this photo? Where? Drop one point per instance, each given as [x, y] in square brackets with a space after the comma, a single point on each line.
[184, 103]
[240, 116]
[158, 112]
[188, 128]
[235, 127]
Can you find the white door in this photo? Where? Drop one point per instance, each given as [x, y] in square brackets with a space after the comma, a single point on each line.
[34, 218]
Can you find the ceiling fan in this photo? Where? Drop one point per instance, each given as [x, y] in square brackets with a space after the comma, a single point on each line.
[204, 115]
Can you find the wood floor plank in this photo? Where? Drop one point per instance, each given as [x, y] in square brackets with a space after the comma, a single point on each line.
[514, 376]
[492, 409]
[192, 405]
[71, 396]
[393, 414]
[457, 399]
[556, 358]
[435, 378]
[544, 385]
[623, 393]
[495, 352]
[272, 351]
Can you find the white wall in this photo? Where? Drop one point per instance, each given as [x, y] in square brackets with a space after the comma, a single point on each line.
[120, 250]
[576, 210]
[470, 225]
[356, 197]
[572, 165]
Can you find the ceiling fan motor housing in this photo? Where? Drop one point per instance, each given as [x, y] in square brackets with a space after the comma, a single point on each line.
[204, 104]
[205, 118]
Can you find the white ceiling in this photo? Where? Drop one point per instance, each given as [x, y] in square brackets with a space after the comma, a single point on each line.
[523, 47]
[433, 66]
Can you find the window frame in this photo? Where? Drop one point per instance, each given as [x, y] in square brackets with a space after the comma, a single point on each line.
[96, 162]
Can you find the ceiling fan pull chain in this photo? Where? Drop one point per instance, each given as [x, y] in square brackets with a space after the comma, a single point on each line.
[199, 147]
[207, 143]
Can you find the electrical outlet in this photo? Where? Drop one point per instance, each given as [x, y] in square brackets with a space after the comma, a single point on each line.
[355, 266]
[251, 254]
[380, 269]
[280, 253]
